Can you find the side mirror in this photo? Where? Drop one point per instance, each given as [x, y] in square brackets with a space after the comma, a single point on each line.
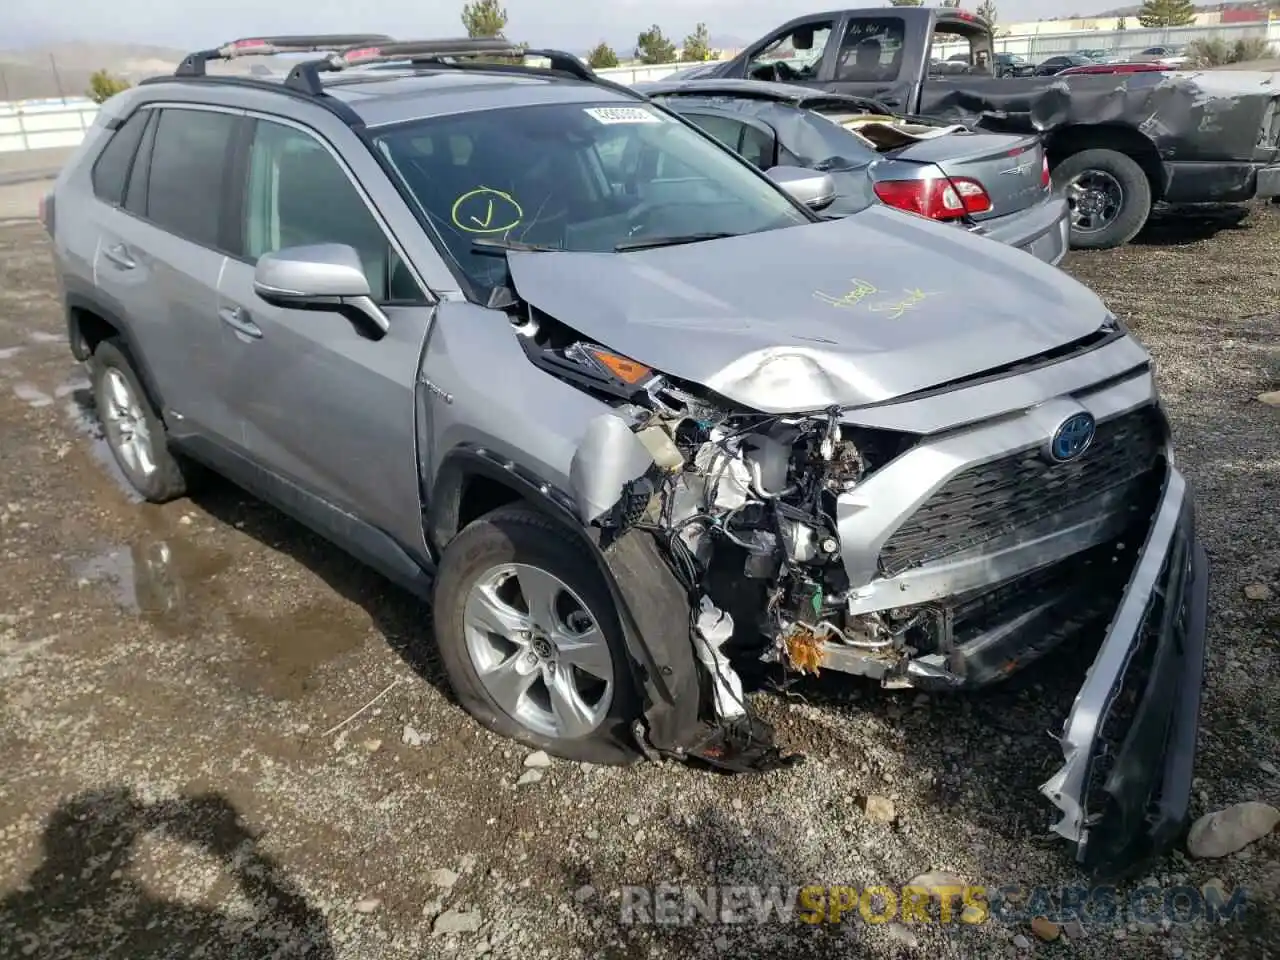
[815, 189]
[324, 276]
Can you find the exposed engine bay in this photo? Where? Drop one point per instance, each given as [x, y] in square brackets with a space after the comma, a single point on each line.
[743, 504]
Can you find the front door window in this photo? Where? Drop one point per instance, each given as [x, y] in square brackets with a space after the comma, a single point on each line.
[794, 55]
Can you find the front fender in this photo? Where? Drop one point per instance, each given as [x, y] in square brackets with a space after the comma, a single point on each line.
[653, 607]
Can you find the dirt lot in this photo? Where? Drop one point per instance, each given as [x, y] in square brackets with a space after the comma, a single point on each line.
[170, 677]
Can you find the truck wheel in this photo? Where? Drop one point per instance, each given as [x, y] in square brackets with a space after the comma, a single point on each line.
[1109, 195]
[530, 639]
[134, 431]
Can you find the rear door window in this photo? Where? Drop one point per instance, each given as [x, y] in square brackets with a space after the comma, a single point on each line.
[871, 50]
[111, 170]
[135, 194]
[188, 180]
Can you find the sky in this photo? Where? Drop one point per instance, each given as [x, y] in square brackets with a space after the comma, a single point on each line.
[570, 24]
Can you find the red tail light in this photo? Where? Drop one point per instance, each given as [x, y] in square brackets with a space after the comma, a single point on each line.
[1044, 173]
[939, 198]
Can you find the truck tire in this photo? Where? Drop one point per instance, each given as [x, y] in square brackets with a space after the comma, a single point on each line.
[133, 429]
[1109, 194]
[555, 674]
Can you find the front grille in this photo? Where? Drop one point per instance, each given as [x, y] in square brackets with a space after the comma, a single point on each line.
[991, 500]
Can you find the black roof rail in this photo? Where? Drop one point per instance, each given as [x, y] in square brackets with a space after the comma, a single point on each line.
[193, 64]
[335, 106]
[306, 76]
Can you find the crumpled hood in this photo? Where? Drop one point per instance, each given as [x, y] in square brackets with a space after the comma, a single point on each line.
[844, 312]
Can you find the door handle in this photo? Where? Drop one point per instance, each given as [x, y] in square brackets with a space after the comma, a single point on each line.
[118, 254]
[237, 318]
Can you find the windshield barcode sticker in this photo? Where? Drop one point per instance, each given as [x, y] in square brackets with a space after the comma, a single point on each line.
[622, 115]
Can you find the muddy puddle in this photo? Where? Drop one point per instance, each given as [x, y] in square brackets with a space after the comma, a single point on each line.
[220, 597]
[210, 599]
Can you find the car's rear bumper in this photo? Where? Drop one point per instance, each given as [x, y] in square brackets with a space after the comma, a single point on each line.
[1129, 742]
[1042, 231]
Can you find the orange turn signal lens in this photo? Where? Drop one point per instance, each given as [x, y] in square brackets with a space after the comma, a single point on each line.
[628, 371]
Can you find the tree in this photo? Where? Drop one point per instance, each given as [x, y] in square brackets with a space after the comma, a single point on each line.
[652, 46]
[949, 3]
[907, 3]
[484, 18]
[103, 86]
[697, 46]
[987, 11]
[602, 57]
[1216, 52]
[1122, 23]
[1166, 13]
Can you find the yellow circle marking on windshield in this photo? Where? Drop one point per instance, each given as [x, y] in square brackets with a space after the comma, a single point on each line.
[486, 210]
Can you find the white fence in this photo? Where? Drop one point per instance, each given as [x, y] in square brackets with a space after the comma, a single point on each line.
[40, 124]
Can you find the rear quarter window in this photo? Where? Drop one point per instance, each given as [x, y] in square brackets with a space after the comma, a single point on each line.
[110, 171]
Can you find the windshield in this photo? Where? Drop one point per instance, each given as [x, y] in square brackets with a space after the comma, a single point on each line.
[580, 177]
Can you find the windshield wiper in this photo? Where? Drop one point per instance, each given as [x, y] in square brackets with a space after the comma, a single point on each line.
[492, 247]
[650, 242]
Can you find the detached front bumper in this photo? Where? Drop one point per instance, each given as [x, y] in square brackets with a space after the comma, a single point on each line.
[1129, 741]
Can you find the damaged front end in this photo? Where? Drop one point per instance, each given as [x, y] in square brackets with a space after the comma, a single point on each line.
[1129, 742]
[937, 542]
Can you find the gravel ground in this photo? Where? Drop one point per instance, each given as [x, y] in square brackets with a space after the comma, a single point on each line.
[170, 675]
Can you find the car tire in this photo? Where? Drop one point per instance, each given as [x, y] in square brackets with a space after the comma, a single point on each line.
[536, 546]
[1135, 199]
[133, 430]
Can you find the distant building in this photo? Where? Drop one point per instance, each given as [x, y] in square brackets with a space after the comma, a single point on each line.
[1245, 15]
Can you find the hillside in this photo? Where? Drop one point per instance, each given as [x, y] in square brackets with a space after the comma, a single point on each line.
[30, 74]
[63, 69]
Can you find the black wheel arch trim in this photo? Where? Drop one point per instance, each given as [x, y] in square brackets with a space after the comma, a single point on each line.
[653, 607]
[80, 349]
[468, 461]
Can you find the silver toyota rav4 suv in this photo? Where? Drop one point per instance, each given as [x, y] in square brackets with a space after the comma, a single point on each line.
[630, 413]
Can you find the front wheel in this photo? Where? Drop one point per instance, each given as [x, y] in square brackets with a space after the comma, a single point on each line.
[1109, 196]
[530, 639]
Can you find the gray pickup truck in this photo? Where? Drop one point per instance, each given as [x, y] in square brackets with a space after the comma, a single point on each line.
[1117, 143]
